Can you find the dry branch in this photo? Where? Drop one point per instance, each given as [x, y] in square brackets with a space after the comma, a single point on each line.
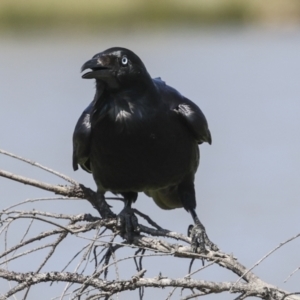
[157, 243]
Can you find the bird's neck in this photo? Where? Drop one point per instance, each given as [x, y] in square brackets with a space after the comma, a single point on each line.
[139, 91]
[121, 104]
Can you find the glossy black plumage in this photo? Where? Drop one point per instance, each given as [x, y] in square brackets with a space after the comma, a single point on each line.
[140, 135]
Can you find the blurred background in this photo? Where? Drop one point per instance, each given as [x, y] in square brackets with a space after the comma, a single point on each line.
[238, 60]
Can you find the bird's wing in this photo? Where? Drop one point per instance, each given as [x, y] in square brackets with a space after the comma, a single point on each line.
[82, 140]
[187, 111]
[194, 119]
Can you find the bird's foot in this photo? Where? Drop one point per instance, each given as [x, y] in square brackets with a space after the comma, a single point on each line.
[200, 241]
[127, 223]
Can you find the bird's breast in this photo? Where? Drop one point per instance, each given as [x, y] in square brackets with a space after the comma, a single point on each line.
[136, 152]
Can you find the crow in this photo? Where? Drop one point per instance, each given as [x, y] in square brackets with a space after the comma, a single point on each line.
[140, 135]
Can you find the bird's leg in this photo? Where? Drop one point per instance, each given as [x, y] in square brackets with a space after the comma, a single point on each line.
[102, 207]
[198, 235]
[126, 220]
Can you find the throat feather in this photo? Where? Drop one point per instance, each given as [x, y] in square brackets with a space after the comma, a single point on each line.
[122, 114]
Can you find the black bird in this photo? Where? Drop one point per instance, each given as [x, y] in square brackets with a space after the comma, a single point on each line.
[140, 135]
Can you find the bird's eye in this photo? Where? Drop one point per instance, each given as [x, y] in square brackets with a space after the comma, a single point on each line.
[124, 60]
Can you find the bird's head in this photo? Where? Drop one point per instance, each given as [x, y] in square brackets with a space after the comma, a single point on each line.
[116, 68]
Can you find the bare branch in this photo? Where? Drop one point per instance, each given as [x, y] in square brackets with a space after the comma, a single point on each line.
[157, 242]
[112, 287]
[33, 163]
[42, 185]
[74, 191]
[37, 199]
[31, 240]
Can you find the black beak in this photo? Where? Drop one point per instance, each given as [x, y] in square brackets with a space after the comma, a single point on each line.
[99, 66]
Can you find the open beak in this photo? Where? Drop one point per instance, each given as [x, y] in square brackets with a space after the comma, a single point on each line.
[99, 68]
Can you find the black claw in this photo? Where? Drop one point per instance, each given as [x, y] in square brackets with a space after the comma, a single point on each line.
[127, 223]
[189, 232]
[200, 241]
[120, 222]
[135, 224]
[129, 229]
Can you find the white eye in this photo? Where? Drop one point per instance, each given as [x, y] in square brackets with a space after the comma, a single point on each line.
[124, 61]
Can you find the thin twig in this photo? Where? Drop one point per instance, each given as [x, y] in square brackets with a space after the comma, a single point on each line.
[38, 199]
[53, 247]
[33, 163]
[25, 253]
[296, 270]
[69, 284]
[267, 255]
[287, 295]
[34, 212]
[147, 218]
[31, 240]
[39, 184]
[46, 221]
[193, 296]
[171, 293]
[200, 269]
